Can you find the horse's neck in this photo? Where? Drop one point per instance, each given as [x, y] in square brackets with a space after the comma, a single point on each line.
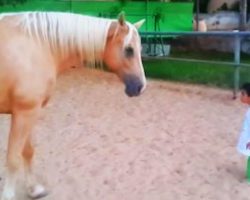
[71, 39]
[83, 41]
[68, 62]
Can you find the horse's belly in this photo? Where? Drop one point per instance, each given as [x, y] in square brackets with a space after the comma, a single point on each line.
[5, 110]
[6, 80]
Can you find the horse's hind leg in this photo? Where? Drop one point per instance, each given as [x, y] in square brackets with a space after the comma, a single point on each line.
[35, 190]
[22, 122]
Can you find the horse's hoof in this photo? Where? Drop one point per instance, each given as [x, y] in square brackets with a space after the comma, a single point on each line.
[8, 194]
[37, 192]
[3, 198]
[6, 198]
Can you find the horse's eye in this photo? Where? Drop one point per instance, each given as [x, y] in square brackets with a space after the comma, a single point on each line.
[129, 52]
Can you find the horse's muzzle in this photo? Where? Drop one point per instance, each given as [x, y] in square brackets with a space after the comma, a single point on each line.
[133, 85]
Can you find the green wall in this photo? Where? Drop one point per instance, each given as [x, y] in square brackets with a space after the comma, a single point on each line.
[173, 16]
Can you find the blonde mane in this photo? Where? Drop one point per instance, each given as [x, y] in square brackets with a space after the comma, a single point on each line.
[67, 33]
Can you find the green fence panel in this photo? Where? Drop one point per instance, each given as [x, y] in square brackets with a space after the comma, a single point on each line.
[173, 16]
[38, 5]
[159, 16]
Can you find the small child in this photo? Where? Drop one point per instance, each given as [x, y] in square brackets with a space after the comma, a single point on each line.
[244, 140]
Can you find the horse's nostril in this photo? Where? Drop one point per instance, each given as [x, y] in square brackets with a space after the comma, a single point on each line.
[134, 86]
[139, 88]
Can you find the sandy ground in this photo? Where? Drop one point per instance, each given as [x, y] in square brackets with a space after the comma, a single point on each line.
[175, 142]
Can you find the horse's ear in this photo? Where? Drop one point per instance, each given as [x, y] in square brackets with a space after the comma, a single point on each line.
[139, 23]
[121, 18]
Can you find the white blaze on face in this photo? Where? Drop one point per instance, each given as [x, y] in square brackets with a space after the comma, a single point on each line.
[128, 40]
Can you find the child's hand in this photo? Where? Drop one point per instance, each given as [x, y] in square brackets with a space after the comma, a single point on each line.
[248, 146]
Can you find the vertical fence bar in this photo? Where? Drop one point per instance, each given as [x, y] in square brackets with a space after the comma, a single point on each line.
[146, 15]
[147, 37]
[236, 35]
[197, 14]
[243, 15]
[70, 5]
[237, 48]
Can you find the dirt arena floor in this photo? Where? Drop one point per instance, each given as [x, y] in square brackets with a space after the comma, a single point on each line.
[175, 142]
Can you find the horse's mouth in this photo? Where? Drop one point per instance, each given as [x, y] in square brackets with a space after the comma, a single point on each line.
[133, 85]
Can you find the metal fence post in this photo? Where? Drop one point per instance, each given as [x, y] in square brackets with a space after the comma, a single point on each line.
[235, 35]
[237, 48]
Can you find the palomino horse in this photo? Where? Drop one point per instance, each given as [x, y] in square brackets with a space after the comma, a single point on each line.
[35, 48]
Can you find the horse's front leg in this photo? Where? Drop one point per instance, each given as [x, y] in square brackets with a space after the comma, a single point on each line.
[35, 190]
[22, 122]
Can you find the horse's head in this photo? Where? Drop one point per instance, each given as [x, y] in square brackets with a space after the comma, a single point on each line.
[123, 55]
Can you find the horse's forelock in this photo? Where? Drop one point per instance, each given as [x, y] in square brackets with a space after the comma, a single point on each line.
[132, 31]
[129, 33]
[128, 38]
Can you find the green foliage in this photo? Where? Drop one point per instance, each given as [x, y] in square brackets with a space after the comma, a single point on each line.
[158, 16]
[115, 10]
